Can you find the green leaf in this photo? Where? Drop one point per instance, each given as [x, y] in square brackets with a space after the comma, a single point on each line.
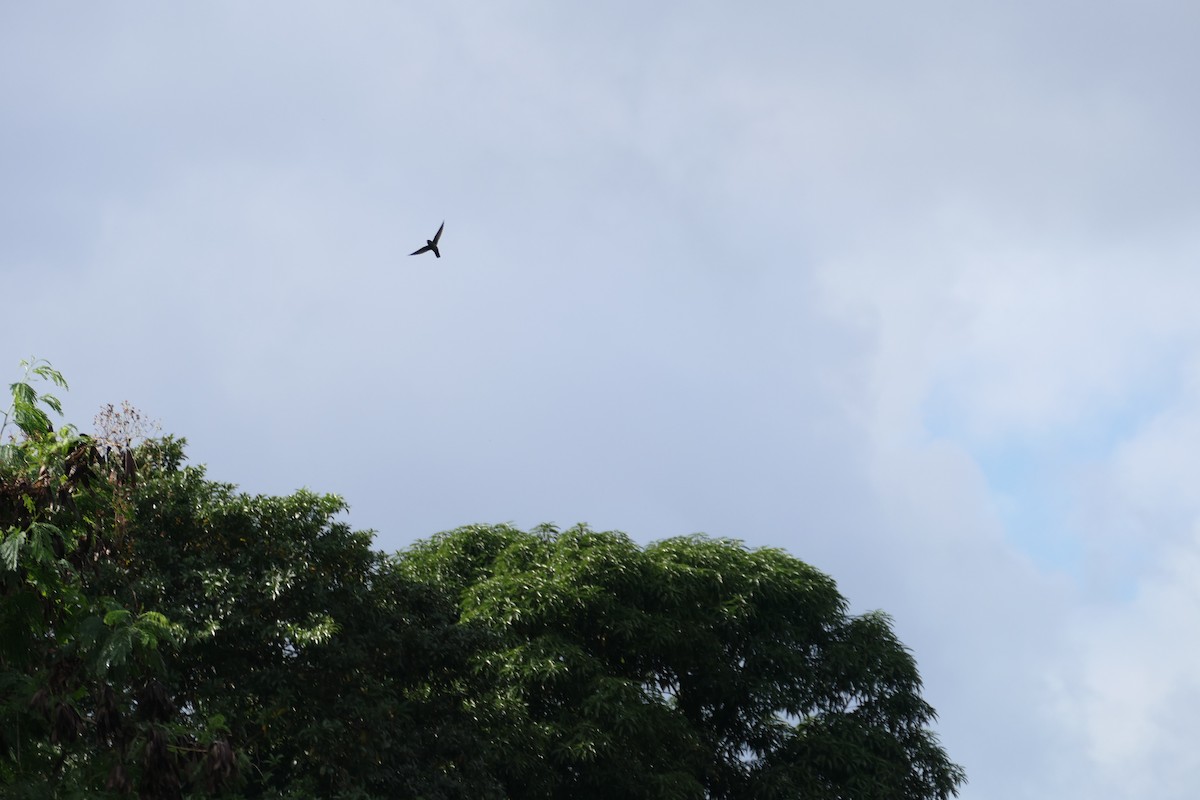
[10, 548]
[31, 419]
[116, 617]
[41, 542]
[23, 394]
[46, 372]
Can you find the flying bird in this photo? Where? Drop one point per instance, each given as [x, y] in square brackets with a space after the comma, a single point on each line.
[431, 244]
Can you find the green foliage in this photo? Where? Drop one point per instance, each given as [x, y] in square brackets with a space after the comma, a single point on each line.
[334, 673]
[83, 709]
[695, 666]
[166, 635]
[24, 411]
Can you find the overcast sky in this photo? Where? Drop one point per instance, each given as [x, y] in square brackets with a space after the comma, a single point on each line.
[906, 289]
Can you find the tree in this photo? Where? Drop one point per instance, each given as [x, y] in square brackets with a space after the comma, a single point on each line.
[83, 710]
[333, 672]
[692, 667]
[165, 634]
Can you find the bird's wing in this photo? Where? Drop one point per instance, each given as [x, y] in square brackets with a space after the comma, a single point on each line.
[424, 249]
[438, 235]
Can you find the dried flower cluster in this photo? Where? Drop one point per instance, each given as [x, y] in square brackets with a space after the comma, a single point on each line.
[121, 428]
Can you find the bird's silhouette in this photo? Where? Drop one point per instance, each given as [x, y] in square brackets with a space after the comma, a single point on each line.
[431, 244]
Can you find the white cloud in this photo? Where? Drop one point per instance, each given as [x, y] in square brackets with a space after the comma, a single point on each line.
[792, 274]
[1140, 684]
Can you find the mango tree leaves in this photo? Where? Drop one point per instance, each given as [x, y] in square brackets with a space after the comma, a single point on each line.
[695, 665]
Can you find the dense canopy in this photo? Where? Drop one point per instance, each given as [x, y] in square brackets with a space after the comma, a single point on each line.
[166, 635]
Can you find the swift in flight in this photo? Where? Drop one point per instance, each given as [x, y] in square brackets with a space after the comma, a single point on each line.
[431, 244]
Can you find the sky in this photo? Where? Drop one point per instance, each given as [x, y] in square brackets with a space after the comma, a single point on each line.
[905, 289]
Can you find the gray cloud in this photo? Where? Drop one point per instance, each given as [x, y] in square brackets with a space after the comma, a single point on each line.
[789, 275]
